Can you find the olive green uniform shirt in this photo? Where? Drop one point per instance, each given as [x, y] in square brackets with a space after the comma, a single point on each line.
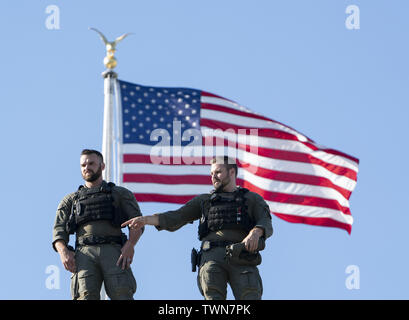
[258, 210]
[123, 198]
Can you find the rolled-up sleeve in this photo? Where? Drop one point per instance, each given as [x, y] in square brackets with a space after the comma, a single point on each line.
[262, 215]
[61, 218]
[128, 203]
[174, 220]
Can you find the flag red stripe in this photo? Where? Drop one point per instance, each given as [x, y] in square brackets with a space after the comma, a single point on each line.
[339, 153]
[315, 221]
[208, 94]
[210, 106]
[174, 161]
[295, 199]
[136, 158]
[153, 197]
[264, 132]
[167, 179]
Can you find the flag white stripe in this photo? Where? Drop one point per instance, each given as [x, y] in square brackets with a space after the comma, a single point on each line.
[238, 120]
[166, 170]
[166, 189]
[295, 188]
[309, 211]
[224, 103]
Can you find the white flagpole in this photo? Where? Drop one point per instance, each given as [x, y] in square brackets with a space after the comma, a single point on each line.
[118, 135]
[107, 133]
[108, 127]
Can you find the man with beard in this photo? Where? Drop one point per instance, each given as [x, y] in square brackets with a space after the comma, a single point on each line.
[102, 252]
[234, 222]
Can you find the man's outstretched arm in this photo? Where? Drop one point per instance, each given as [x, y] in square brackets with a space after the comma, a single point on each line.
[138, 223]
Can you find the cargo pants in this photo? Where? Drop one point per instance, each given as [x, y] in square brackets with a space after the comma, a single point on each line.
[97, 264]
[215, 273]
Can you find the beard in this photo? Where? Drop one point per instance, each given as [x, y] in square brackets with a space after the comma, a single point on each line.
[93, 175]
[220, 184]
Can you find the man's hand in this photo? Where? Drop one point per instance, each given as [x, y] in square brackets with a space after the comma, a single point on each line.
[126, 257]
[251, 241]
[139, 222]
[135, 223]
[66, 256]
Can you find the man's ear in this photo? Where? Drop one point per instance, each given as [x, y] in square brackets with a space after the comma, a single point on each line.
[232, 172]
[103, 166]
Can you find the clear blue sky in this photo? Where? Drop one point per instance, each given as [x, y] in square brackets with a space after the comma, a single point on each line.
[293, 61]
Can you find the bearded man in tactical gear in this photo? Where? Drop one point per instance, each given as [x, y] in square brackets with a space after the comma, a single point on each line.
[103, 253]
[234, 223]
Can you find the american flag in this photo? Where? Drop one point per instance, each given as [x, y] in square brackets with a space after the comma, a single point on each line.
[169, 135]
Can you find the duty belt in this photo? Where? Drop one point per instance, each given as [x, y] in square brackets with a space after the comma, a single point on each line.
[207, 245]
[95, 240]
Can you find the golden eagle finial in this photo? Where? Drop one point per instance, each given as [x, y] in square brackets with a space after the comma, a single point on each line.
[110, 46]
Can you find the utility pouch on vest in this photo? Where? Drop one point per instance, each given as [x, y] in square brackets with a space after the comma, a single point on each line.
[195, 259]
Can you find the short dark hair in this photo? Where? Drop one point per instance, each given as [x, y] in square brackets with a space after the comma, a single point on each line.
[229, 163]
[91, 151]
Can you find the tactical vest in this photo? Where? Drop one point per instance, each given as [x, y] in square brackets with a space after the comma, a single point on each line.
[91, 204]
[226, 211]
